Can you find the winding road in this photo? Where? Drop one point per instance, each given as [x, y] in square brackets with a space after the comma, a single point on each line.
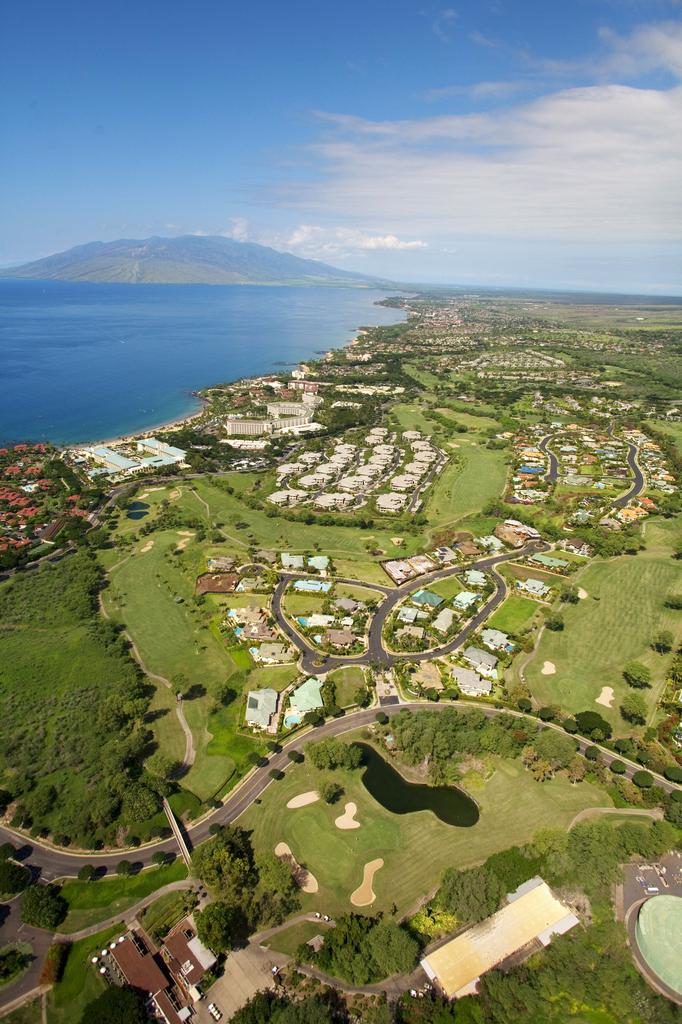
[638, 479]
[315, 662]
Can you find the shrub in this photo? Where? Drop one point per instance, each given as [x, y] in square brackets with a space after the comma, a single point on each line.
[53, 964]
[643, 779]
[592, 753]
[618, 768]
[673, 772]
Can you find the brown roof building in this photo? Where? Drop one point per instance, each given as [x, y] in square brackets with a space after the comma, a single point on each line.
[217, 583]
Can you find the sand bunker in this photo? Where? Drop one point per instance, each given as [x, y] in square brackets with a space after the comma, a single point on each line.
[148, 546]
[174, 495]
[397, 541]
[582, 594]
[186, 538]
[305, 880]
[346, 821]
[364, 894]
[303, 799]
[605, 698]
[548, 669]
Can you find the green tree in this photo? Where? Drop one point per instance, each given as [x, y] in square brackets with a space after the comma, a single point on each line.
[43, 906]
[470, 895]
[663, 641]
[394, 949]
[13, 877]
[330, 791]
[636, 674]
[554, 747]
[633, 708]
[86, 873]
[219, 926]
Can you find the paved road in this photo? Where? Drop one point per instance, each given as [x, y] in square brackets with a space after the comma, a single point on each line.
[316, 662]
[52, 863]
[638, 479]
[552, 474]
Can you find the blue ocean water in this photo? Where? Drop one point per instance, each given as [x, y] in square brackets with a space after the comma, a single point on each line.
[85, 362]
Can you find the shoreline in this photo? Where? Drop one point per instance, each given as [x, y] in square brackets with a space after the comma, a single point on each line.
[180, 421]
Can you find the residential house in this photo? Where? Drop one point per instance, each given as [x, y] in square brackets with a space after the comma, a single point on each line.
[475, 578]
[307, 697]
[339, 637]
[272, 654]
[443, 621]
[261, 706]
[483, 661]
[496, 640]
[534, 587]
[426, 597]
[471, 683]
[413, 632]
[465, 600]
[292, 561]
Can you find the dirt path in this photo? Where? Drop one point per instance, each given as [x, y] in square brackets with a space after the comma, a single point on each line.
[590, 812]
[202, 502]
[190, 752]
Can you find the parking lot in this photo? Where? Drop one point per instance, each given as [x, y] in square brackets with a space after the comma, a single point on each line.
[655, 878]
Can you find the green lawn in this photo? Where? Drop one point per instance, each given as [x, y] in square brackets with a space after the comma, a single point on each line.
[447, 588]
[90, 902]
[161, 915]
[513, 615]
[277, 677]
[347, 680]
[289, 939]
[612, 626]
[80, 982]
[417, 847]
[466, 487]
[176, 640]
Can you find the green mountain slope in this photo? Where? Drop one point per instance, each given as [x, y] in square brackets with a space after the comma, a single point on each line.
[190, 259]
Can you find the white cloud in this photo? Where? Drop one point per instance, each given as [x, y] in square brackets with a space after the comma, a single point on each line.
[240, 230]
[596, 162]
[315, 241]
[443, 22]
[477, 90]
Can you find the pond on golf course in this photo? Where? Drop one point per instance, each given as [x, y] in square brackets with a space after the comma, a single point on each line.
[396, 794]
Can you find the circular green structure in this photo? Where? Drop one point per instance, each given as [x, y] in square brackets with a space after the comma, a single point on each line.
[659, 936]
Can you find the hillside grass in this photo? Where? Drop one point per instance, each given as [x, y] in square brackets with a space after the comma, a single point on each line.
[90, 902]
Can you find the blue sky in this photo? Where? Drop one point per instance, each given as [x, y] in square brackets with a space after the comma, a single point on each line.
[501, 142]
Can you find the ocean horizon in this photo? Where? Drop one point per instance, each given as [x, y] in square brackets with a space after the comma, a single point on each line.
[87, 362]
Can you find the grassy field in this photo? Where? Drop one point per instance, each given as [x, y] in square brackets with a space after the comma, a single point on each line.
[161, 915]
[447, 588]
[277, 677]
[465, 487]
[514, 615]
[80, 982]
[417, 847]
[153, 596]
[90, 902]
[288, 940]
[347, 680]
[612, 626]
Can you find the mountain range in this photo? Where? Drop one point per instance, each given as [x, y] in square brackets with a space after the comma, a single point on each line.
[189, 259]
